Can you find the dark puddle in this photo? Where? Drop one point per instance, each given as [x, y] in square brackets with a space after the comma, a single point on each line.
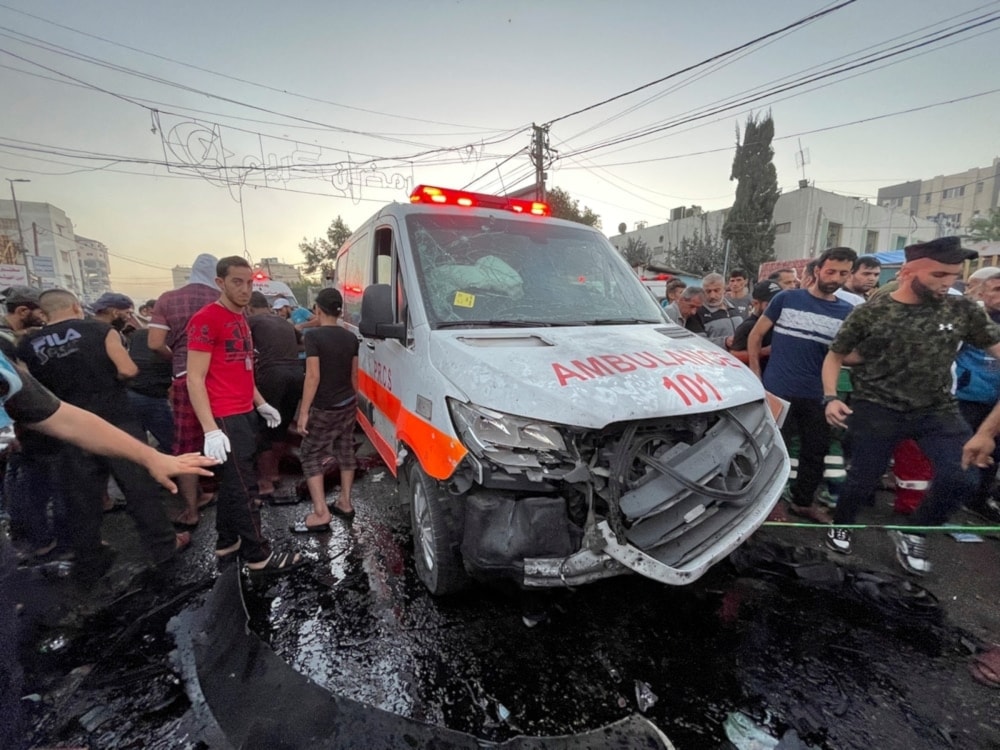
[848, 659]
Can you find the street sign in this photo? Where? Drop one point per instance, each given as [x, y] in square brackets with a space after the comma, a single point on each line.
[42, 266]
[13, 275]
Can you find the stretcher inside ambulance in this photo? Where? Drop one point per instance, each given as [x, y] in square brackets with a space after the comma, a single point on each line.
[546, 422]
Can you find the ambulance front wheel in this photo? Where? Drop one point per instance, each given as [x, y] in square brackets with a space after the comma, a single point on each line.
[435, 535]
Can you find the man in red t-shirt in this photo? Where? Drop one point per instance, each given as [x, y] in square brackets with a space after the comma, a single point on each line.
[221, 387]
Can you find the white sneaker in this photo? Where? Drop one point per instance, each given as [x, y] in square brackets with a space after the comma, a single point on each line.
[911, 551]
[839, 541]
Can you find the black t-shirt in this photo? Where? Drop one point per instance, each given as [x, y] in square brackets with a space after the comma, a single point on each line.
[743, 333]
[275, 341]
[336, 348]
[154, 371]
[69, 358]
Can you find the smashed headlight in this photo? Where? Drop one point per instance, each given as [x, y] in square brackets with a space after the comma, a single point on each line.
[486, 432]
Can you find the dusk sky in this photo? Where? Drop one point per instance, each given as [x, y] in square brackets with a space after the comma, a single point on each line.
[148, 123]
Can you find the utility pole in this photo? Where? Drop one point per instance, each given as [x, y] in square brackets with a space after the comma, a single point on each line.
[17, 213]
[539, 148]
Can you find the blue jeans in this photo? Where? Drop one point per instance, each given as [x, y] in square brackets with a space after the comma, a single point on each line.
[155, 417]
[875, 431]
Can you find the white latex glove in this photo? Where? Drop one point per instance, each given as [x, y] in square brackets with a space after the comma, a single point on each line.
[216, 445]
[272, 417]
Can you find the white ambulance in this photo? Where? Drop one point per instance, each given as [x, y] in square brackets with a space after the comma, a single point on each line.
[546, 422]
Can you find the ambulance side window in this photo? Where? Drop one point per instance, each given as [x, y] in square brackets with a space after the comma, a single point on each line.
[352, 275]
[388, 272]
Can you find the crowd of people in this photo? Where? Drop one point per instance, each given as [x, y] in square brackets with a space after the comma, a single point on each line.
[217, 370]
[906, 374]
[209, 377]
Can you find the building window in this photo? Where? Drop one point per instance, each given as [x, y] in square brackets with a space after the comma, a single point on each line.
[900, 242]
[783, 228]
[956, 192]
[833, 231]
[871, 242]
[927, 198]
[979, 187]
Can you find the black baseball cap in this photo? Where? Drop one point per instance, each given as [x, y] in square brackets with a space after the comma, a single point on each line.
[20, 295]
[764, 291]
[946, 250]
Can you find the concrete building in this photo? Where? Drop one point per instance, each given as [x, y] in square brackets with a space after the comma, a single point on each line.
[51, 250]
[278, 271]
[95, 268]
[952, 201]
[807, 221]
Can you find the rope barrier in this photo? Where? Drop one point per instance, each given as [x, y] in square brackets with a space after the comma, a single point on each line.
[887, 527]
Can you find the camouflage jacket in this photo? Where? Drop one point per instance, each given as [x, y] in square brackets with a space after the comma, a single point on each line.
[908, 350]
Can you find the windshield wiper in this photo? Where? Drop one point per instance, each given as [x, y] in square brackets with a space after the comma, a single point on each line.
[495, 324]
[620, 321]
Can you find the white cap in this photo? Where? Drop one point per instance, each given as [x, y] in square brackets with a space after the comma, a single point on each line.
[280, 303]
[986, 272]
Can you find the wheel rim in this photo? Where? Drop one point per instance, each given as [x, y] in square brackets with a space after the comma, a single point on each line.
[425, 533]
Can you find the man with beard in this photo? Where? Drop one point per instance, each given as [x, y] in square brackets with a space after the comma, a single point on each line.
[906, 342]
[804, 322]
[21, 312]
[117, 311]
[864, 276]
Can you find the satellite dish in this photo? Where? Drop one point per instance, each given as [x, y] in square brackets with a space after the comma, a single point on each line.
[622, 228]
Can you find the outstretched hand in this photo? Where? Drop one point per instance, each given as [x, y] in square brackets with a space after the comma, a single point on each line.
[161, 467]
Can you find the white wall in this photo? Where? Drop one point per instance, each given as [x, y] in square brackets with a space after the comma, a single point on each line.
[808, 214]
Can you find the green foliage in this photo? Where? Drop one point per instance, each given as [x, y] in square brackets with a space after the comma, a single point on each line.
[321, 253]
[637, 252]
[986, 228]
[565, 207]
[749, 225]
[700, 255]
[301, 292]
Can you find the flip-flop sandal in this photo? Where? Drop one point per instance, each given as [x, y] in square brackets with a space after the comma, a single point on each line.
[301, 527]
[279, 563]
[347, 515]
[985, 668]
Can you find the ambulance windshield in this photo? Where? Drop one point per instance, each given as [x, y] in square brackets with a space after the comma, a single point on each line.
[494, 270]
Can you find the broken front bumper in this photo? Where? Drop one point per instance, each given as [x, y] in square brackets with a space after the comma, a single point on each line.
[684, 517]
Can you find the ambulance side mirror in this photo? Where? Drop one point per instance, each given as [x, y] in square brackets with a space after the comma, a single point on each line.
[377, 321]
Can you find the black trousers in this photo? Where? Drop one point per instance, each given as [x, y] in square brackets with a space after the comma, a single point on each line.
[806, 418]
[83, 479]
[237, 515]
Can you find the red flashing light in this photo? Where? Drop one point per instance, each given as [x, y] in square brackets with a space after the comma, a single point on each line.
[260, 276]
[429, 194]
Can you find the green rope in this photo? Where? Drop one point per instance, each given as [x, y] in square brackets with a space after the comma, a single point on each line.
[892, 527]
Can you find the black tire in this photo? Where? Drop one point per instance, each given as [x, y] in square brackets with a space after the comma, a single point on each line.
[435, 535]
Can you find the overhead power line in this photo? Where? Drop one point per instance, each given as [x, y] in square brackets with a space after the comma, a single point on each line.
[706, 61]
[237, 78]
[757, 97]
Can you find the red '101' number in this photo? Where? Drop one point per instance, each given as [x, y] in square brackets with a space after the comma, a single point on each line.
[691, 390]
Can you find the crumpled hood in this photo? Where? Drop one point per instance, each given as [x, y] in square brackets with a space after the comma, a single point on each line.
[592, 376]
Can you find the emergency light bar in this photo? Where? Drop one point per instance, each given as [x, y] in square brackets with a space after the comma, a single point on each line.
[446, 197]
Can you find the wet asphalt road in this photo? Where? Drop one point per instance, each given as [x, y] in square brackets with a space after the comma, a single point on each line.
[843, 662]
